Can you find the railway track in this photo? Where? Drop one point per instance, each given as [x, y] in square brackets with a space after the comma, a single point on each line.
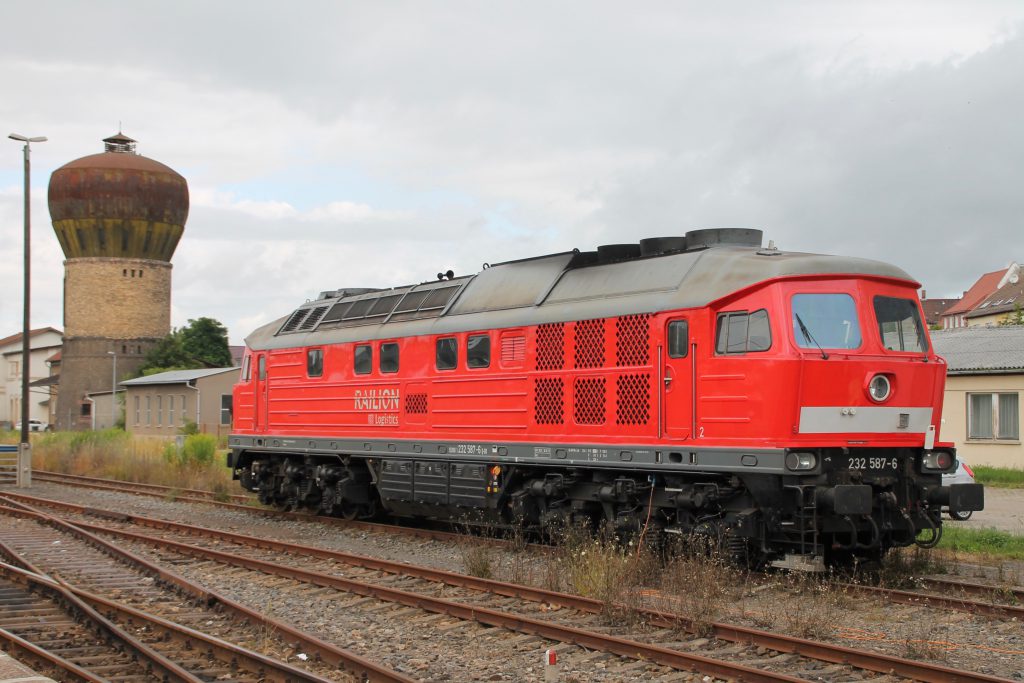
[194, 629]
[371, 577]
[995, 601]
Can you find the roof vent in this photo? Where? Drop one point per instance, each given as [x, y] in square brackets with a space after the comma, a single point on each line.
[606, 253]
[724, 237]
[652, 246]
[119, 143]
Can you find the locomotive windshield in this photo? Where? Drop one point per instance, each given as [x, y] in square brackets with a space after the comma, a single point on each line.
[826, 321]
[899, 324]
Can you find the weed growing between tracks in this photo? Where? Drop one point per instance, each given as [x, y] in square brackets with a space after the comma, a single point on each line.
[114, 454]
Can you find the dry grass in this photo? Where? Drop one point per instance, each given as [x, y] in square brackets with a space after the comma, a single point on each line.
[114, 454]
[699, 585]
[601, 567]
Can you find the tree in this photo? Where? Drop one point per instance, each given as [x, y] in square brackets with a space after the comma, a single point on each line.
[1015, 318]
[202, 343]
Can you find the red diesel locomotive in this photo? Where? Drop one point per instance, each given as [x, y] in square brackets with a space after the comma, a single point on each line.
[785, 405]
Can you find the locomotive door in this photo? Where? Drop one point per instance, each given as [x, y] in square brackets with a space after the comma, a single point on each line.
[677, 380]
[259, 394]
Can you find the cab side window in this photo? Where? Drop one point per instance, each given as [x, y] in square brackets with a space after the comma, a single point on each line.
[742, 332]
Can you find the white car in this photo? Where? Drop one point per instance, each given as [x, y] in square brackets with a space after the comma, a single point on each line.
[962, 475]
[34, 426]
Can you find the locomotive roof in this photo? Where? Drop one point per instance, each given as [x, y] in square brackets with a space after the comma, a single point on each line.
[555, 288]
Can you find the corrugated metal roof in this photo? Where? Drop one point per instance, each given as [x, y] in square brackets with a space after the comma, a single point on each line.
[175, 376]
[981, 350]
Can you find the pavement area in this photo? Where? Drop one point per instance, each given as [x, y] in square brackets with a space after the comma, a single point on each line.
[1004, 510]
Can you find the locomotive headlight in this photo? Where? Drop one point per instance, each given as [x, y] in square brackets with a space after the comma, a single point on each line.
[879, 388]
[937, 460]
[797, 461]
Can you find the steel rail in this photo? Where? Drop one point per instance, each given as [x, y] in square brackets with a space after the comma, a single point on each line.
[36, 653]
[902, 597]
[164, 491]
[272, 669]
[984, 590]
[835, 654]
[47, 475]
[568, 634]
[333, 655]
[169, 670]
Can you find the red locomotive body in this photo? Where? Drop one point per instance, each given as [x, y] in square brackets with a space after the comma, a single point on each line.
[786, 405]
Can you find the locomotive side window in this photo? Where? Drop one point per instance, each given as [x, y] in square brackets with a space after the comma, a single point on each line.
[827, 321]
[446, 355]
[362, 359]
[743, 332]
[261, 369]
[478, 351]
[314, 362]
[389, 357]
[247, 369]
[678, 338]
[899, 324]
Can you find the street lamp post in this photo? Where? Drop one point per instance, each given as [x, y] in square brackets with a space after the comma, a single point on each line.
[113, 389]
[24, 449]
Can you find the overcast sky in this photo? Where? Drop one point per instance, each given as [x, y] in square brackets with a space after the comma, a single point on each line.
[373, 144]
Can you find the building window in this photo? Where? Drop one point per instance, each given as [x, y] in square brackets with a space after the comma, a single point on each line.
[184, 408]
[149, 410]
[363, 359]
[446, 353]
[137, 409]
[12, 369]
[678, 339]
[159, 410]
[86, 410]
[225, 409]
[389, 357]
[743, 332]
[994, 417]
[314, 363]
[170, 410]
[478, 351]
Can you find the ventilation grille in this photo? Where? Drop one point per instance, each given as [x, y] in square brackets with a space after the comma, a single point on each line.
[513, 350]
[548, 401]
[313, 318]
[633, 399]
[589, 404]
[633, 333]
[590, 343]
[416, 404]
[294, 320]
[551, 346]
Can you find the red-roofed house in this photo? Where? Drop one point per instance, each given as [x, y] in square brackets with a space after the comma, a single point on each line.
[987, 284]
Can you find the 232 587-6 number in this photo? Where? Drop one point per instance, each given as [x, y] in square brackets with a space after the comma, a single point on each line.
[876, 463]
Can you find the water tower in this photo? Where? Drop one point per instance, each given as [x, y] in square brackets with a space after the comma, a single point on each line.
[118, 217]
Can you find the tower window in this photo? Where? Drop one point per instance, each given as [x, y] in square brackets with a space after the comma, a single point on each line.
[124, 272]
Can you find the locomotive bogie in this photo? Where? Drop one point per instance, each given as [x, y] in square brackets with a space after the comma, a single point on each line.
[786, 405]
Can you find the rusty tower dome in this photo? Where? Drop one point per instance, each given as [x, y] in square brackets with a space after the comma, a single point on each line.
[118, 217]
